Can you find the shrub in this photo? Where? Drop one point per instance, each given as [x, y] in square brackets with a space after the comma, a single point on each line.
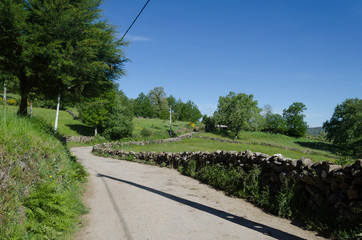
[145, 132]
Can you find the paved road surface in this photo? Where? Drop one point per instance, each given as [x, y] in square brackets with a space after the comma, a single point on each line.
[134, 201]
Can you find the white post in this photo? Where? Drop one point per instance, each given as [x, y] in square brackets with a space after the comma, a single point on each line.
[57, 115]
[5, 93]
[170, 121]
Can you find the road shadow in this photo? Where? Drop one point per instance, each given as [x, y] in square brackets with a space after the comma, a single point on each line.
[261, 228]
[81, 129]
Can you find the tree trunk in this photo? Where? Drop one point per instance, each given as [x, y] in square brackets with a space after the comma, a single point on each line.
[31, 108]
[24, 92]
[236, 133]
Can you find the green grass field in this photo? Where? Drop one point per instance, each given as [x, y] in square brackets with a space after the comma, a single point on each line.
[278, 140]
[198, 144]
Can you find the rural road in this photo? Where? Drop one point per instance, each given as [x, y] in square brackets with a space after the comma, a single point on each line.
[135, 201]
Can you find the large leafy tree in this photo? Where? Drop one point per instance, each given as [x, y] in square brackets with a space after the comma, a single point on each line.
[237, 111]
[345, 126]
[294, 118]
[158, 100]
[188, 111]
[58, 47]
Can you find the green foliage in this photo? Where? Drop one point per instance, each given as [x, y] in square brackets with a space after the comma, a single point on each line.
[94, 113]
[40, 192]
[209, 123]
[187, 111]
[164, 114]
[158, 100]
[237, 111]
[112, 115]
[275, 123]
[190, 168]
[142, 106]
[345, 127]
[285, 199]
[58, 47]
[50, 211]
[119, 123]
[145, 132]
[294, 119]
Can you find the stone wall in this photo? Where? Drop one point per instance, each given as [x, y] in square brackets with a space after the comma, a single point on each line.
[323, 183]
[82, 139]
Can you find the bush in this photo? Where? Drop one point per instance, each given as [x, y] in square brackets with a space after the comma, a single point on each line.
[145, 132]
[118, 127]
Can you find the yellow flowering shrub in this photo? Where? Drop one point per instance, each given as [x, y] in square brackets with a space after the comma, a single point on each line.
[12, 101]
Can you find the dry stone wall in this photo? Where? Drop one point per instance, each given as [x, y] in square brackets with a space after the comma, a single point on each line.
[82, 139]
[324, 184]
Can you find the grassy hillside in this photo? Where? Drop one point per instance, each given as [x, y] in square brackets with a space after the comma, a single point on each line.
[159, 128]
[66, 124]
[39, 190]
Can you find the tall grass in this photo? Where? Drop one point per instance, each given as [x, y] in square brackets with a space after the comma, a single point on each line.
[40, 182]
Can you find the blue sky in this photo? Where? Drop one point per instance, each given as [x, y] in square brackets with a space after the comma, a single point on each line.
[282, 52]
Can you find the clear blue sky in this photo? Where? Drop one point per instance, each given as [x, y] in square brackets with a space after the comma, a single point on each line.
[282, 52]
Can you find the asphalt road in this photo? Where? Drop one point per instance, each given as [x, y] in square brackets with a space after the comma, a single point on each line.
[135, 201]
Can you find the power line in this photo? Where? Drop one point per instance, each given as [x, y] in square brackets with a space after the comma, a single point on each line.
[135, 19]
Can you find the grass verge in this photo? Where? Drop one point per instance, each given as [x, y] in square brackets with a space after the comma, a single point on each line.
[41, 184]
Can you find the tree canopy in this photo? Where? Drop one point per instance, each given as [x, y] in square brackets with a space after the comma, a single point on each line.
[142, 106]
[58, 47]
[237, 111]
[345, 127]
[158, 100]
[294, 118]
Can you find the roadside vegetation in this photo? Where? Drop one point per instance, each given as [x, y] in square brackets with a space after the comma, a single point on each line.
[287, 202]
[41, 183]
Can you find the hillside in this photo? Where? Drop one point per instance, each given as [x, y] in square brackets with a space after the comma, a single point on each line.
[40, 182]
[66, 124]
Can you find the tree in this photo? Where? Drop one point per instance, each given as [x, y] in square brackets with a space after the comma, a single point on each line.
[209, 123]
[58, 47]
[119, 123]
[294, 118]
[158, 100]
[237, 111]
[142, 106]
[188, 111]
[94, 113]
[345, 127]
[275, 123]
